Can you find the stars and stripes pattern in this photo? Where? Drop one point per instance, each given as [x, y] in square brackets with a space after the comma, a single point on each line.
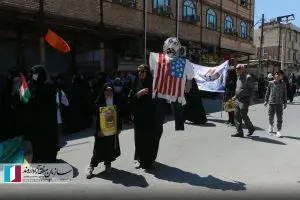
[169, 78]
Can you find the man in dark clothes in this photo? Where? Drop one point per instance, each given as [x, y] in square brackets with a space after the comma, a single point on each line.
[43, 119]
[194, 110]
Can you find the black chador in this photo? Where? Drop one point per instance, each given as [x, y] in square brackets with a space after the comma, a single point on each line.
[194, 111]
[42, 125]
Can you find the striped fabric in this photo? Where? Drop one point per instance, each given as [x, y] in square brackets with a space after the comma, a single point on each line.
[170, 77]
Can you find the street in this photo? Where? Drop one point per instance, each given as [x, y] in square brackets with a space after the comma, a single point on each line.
[200, 161]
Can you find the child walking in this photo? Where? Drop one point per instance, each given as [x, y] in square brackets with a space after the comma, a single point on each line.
[276, 97]
[106, 148]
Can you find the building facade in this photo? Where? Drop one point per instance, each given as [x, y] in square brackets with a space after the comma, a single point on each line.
[281, 43]
[109, 34]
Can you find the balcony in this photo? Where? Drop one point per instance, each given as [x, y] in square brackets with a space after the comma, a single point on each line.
[164, 11]
[191, 19]
[128, 3]
[23, 5]
[236, 45]
[231, 31]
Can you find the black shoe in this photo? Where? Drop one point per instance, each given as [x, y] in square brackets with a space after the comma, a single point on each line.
[251, 132]
[241, 135]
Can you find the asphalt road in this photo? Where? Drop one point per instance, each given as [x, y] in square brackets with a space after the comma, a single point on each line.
[200, 161]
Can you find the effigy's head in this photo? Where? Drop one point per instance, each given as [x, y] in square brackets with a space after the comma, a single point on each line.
[172, 47]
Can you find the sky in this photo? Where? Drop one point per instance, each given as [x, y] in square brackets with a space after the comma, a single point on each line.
[276, 8]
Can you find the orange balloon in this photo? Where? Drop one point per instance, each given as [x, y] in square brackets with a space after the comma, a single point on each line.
[57, 42]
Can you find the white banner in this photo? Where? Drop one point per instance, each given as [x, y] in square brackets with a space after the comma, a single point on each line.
[211, 79]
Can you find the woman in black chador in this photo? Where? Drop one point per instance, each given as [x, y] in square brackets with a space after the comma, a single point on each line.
[146, 132]
[230, 92]
[194, 110]
[106, 148]
[43, 119]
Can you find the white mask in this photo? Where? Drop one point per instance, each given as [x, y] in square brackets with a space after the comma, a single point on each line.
[35, 77]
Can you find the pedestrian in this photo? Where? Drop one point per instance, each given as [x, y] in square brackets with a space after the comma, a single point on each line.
[276, 97]
[146, 131]
[42, 116]
[106, 148]
[243, 96]
[230, 87]
[293, 87]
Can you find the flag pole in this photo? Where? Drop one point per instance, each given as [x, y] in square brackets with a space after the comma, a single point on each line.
[145, 30]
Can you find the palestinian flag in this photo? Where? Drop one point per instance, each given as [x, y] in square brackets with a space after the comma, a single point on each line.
[24, 90]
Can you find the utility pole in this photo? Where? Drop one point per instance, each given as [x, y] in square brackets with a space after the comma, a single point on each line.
[145, 30]
[261, 51]
[177, 18]
[286, 19]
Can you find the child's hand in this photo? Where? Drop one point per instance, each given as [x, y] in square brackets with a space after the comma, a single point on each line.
[265, 104]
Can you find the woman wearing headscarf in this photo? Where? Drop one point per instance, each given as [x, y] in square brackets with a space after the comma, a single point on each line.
[12, 120]
[146, 132]
[293, 87]
[42, 114]
[117, 86]
[106, 148]
[194, 110]
[126, 113]
[230, 87]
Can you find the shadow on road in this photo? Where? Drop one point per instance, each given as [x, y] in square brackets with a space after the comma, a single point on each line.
[291, 137]
[172, 174]
[221, 121]
[266, 140]
[294, 103]
[75, 170]
[202, 125]
[124, 178]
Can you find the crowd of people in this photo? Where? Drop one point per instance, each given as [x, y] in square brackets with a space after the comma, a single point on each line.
[60, 105]
[276, 90]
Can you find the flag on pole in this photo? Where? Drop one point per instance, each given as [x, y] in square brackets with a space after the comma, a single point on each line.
[57, 42]
[24, 90]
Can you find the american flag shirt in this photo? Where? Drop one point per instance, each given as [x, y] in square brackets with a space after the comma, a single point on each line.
[170, 76]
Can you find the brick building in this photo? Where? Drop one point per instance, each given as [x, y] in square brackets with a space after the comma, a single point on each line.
[276, 37]
[109, 34]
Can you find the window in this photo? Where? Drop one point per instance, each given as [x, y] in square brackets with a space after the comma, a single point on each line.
[189, 8]
[243, 30]
[244, 2]
[129, 3]
[228, 24]
[289, 54]
[162, 7]
[160, 3]
[211, 19]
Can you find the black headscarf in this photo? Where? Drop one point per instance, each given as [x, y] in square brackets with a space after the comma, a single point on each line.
[41, 74]
[146, 83]
[101, 95]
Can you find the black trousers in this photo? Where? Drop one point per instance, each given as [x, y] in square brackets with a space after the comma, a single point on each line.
[231, 117]
[179, 117]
